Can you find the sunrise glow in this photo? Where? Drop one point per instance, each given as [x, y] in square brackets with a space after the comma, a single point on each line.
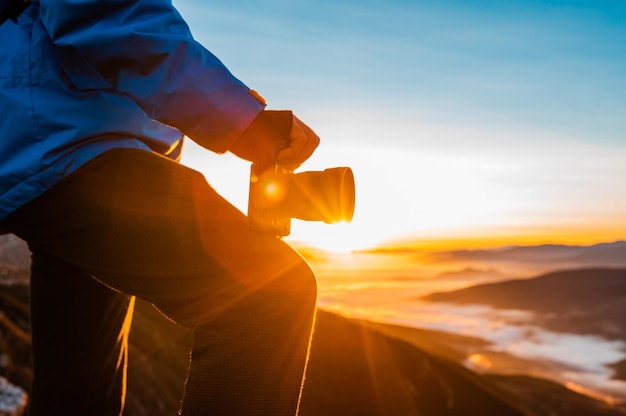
[426, 199]
[490, 127]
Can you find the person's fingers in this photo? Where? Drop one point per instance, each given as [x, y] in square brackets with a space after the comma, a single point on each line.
[276, 136]
[303, 142]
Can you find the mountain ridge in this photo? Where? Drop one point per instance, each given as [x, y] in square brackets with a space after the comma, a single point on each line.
[603, 253]
[582, 301]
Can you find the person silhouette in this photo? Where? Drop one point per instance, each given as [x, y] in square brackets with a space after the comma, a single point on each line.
[96, 98]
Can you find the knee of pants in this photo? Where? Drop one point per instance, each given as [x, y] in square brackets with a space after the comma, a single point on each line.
[293, 290]
[285, 276]
[302, 284]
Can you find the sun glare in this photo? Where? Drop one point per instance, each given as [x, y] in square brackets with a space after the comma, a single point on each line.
[431, 199]
[336, 238]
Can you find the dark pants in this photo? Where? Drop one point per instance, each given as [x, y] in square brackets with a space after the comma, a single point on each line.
[145, 226]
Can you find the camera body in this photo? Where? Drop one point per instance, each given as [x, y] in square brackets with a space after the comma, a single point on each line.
[278, 194]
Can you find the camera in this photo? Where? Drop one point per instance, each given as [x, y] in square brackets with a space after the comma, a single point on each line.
[277, 195]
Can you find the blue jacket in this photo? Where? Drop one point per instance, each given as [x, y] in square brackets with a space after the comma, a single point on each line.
[78, 78]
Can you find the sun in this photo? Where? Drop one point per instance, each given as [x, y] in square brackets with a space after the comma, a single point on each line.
[337, 238]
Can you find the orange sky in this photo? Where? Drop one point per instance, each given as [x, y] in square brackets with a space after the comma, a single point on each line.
[402, 200]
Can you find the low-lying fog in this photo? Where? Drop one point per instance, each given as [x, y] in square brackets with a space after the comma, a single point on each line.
[387, 287]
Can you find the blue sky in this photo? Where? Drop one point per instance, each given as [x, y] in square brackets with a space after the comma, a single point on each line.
[556, 65]
[523, 100]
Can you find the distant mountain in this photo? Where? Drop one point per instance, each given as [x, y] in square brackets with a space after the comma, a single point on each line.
[584, 301]
[472, 273]
[606, 254]
[609, 253]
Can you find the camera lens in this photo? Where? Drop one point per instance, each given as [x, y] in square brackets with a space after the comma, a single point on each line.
[277, 196]
[327, 195]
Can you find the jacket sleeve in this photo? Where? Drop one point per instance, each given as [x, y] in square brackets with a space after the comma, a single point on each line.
[145, 49]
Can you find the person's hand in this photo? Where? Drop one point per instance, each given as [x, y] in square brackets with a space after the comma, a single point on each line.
[276, 137]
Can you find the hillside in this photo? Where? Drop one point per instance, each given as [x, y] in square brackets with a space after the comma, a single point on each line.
[583, 301]
[352, 370]
[357, 371]
[356, 367]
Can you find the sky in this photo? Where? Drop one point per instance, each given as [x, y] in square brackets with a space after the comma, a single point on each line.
[465, 122]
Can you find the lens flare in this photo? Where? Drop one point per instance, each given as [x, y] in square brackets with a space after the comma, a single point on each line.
[274, 190]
